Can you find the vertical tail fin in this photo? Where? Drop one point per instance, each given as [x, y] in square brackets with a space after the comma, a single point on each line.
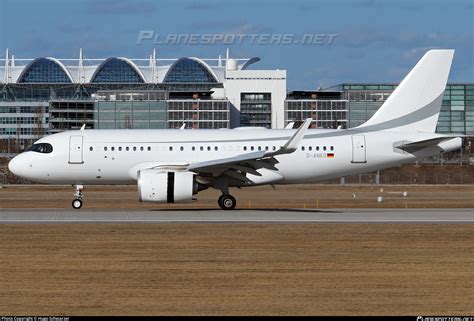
[416, 102]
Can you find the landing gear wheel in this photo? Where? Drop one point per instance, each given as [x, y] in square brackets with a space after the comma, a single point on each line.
[227, 202]
[77, 204]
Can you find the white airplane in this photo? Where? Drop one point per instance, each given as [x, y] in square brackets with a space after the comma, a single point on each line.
[172, 166]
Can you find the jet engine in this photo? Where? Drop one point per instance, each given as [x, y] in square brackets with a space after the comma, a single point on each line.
[166, 186]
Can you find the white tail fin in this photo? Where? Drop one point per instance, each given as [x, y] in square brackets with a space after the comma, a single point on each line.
[416, 102]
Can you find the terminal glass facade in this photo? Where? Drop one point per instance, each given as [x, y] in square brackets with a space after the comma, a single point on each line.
[187, 70]
[130, 114]
[116, 70]
[256, 109]
[324, 113]
[44, 70]
[199, 114]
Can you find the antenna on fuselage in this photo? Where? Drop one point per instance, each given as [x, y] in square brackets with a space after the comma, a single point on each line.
[83, 127]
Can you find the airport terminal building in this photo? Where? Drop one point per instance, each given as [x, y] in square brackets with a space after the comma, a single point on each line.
[47, 95]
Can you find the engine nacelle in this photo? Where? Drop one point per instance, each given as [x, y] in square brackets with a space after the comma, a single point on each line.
[166, 186]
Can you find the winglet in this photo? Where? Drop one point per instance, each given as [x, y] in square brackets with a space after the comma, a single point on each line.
[290, 125]
[292, 144]
[183, 126]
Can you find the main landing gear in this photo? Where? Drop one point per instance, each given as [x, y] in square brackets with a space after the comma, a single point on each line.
[78, 195]
[227, 202]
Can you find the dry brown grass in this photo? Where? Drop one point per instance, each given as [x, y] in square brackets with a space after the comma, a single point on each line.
[291, 196]
[237, 269]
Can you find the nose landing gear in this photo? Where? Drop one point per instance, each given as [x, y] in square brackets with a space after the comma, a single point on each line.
[77, 202]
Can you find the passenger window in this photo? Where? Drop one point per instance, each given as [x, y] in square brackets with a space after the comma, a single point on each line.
[310, 148]
[193, 148]
[120, 148]
[324, 147]
[245, 148]
[127, 148]
[302, 148]
[149, 148]
[215, 148]
[332, 148]
[112, 148]
[134, 148]
[251, 148]
[105, 148]
[208, 148]
[171, 148]
[181, 148]
[201, 148]
[91, 149]
[274, 148]
[317, 148]
[141, 148]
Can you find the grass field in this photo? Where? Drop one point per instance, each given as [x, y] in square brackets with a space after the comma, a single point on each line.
[239, 269]
[206, 269]
[291, 196]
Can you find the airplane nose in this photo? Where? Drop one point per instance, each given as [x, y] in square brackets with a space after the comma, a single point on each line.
[13, 166]
[17, 165]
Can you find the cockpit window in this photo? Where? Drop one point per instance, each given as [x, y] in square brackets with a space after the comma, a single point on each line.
[41, 148]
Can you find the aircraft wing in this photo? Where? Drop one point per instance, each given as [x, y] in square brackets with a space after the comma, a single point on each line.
[238, 166]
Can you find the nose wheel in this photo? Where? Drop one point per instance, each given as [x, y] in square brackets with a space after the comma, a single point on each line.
[77, 204]
[227, 202]
[78, 195]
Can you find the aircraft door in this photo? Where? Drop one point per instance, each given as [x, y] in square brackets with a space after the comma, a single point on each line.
[75, 150]
[358, 149]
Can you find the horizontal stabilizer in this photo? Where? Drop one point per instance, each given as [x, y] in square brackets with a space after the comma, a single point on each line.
[414, 146]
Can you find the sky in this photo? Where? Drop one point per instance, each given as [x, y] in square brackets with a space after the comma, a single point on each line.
[354, 40]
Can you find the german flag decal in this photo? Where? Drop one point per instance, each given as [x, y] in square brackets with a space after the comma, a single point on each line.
[330, 155]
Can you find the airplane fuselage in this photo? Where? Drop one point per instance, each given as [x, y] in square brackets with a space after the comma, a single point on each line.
[101, 157]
